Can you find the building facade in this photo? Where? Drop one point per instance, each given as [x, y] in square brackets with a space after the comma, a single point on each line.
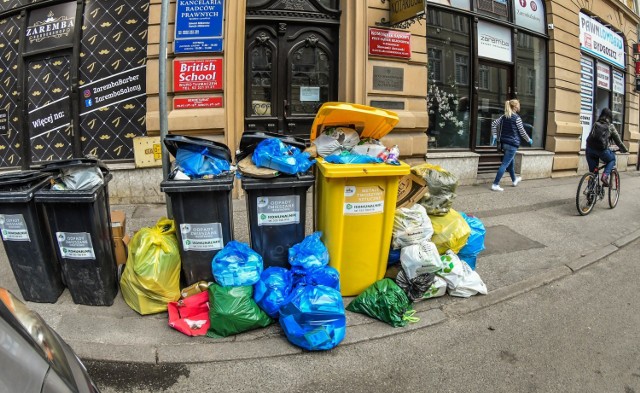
[270, 64]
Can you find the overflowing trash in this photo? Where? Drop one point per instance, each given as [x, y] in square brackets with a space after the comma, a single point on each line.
[442, 186]
[313, 318]
[475, 243]
[197, 158]
[461, 280]
[233, 311]
[151, 277]
[274, 154]
[273, 288]
[310, 253]
[237, 265]
[386, 301]
[190, 315]
[450, 232]
[325, 275]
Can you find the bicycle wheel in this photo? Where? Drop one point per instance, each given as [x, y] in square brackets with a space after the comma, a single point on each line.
[586, 196]
[614, 188]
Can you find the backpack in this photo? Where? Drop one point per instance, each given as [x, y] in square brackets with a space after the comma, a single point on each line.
[599, 136]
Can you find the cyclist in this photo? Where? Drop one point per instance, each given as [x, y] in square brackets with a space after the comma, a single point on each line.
[511, 130]
[601, 135]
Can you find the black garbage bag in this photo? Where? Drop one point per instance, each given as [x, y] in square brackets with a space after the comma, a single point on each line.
[416, 288]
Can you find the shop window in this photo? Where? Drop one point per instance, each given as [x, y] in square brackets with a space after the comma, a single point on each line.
[496, 8]
[448, 84]
[617, 101]
[462, 69]
[532, 59]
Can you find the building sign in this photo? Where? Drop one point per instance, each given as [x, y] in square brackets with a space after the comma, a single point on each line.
[603, 79]
[199, 26]
[403, 10]
[388, 78]
[112, 90]
[4, 122]
[494, 42]
[197, 102]
[50, 27]
[197, 75]
[586, 97]
[530, 14]
[389, 43]
[464, 4]
[600, 41]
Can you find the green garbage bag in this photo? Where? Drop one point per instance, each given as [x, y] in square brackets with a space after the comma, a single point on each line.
[233, 310]
[386, 301]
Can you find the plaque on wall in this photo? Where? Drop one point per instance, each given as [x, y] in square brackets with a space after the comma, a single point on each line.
[199, 26]
[50, 27]
[393, 105]
[388, 78]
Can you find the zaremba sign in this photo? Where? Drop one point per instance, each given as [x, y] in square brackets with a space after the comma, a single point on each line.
[600, 41]
[51, 27]
[403, 10]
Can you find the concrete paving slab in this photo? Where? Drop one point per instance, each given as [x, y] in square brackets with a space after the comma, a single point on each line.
[627, 239]
[114, 353]
[591, 258]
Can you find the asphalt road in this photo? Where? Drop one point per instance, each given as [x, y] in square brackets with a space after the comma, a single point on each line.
[578, 334]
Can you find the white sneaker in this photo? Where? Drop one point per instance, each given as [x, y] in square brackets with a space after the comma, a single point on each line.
[495, 187]
[515, 182]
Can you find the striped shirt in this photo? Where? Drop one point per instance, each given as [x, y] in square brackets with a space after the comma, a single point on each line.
[519, 126]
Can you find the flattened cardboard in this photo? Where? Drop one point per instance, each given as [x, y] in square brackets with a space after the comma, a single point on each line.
[411, 188]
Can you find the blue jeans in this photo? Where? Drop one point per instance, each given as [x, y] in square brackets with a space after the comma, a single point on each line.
[606, 155]
[507, 163]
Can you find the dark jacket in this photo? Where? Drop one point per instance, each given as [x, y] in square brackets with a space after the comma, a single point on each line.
[512, 130]
[613, 137]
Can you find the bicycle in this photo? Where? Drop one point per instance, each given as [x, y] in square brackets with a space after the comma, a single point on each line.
[590, 190]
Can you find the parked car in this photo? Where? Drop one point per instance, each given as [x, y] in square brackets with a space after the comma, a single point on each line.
[33, 357]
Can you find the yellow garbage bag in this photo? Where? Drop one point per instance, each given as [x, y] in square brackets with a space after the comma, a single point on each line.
[450, 232]
[151, 277]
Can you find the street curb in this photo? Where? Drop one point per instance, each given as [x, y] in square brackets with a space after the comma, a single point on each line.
[277, 346]
[470, 305]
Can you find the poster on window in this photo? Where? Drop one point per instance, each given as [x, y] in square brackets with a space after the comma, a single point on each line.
[618, 82]
[113, 75]
[494, 42]
[604, 76]
[530, 14]
[586, 97]
[600, 41]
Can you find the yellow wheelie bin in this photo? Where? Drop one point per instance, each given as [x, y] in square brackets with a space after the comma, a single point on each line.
[356, 203]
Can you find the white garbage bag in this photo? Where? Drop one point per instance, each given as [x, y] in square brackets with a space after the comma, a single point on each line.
[462, 281]
[411, 225]
[420, 258]
[437, 289]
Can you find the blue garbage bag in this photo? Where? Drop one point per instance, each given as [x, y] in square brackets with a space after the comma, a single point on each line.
[394, 256]
[325, 275]
[236, 265]
[313, 318]
[349, 158]
[272, 289]
[475, 243]
[274, 154]
[309, 253]
[197, 163]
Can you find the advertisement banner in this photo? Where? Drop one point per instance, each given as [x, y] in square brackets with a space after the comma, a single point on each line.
[600, 41]
[199, 26]
[197, 75]
[603, 79]
[197, 102]
[530, 14]
[494, 42]
[403, 10]
[112, 90]
[586, 97]
[50, 27]
[10, 136]
[618, 82]
[389, 43]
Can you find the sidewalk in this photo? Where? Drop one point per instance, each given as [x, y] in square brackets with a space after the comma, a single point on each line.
[534, 236]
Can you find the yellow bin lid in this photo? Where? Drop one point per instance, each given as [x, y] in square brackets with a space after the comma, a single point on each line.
[361, 170]
[369, 121]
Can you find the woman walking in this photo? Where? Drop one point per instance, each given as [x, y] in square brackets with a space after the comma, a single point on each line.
[511, 131]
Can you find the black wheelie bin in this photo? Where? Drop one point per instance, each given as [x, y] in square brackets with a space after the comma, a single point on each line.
[27, 239]
[79, 222]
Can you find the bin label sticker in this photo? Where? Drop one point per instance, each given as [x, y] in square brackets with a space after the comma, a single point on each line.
[363, 200]
[202, 237]
[75, 245]
[14, 228]
[278, 210]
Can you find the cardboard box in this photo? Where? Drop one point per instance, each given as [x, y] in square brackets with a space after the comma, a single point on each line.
[411, 188]
[119, 233]
[147, 151]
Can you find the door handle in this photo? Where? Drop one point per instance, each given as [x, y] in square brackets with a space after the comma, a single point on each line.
[286, 107]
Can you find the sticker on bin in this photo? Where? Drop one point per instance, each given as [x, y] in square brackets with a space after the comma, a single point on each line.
[278, 210]
[14, 228]
[75, 245]
[202, 237]
[367, 200]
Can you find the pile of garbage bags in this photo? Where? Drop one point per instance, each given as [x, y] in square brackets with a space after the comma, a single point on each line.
[342, 145]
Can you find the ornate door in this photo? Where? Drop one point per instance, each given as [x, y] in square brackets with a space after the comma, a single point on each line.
[290, 71]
